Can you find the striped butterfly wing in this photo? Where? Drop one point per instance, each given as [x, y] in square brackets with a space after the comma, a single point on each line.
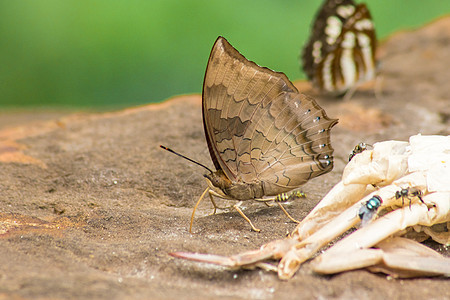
[341, 50]
[259, 127]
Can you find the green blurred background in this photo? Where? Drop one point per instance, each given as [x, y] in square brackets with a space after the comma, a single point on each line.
[112, 54]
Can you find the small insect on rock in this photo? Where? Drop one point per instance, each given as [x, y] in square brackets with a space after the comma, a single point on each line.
[341, 51]
[264, 137]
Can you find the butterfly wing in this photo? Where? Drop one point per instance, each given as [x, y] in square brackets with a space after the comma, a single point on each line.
[341, 50]
[259, 127]
[324, 34]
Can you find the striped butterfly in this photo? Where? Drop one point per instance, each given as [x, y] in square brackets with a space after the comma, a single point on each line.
[341, 51]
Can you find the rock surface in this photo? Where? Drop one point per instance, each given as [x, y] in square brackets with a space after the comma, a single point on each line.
[90, 206]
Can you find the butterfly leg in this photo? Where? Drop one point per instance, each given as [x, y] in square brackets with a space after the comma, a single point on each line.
[213, 203]
[236, 206]
[268, 204]
[195, 207]
[267, 201]
[287, 214]
[215, 194]
[284, 197]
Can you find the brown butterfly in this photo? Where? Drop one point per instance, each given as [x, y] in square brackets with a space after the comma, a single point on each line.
[264, 137]
[341, 51]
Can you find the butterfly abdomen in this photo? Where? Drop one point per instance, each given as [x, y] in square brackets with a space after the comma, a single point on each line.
[236, 190]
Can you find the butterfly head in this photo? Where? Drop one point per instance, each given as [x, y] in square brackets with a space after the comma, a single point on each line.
[218, 180]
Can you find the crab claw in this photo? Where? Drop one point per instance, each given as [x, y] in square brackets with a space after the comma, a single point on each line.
[206, 258]
[398, 257]
[275, 249]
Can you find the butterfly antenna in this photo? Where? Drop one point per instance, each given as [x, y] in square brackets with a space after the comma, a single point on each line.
[189, 159]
